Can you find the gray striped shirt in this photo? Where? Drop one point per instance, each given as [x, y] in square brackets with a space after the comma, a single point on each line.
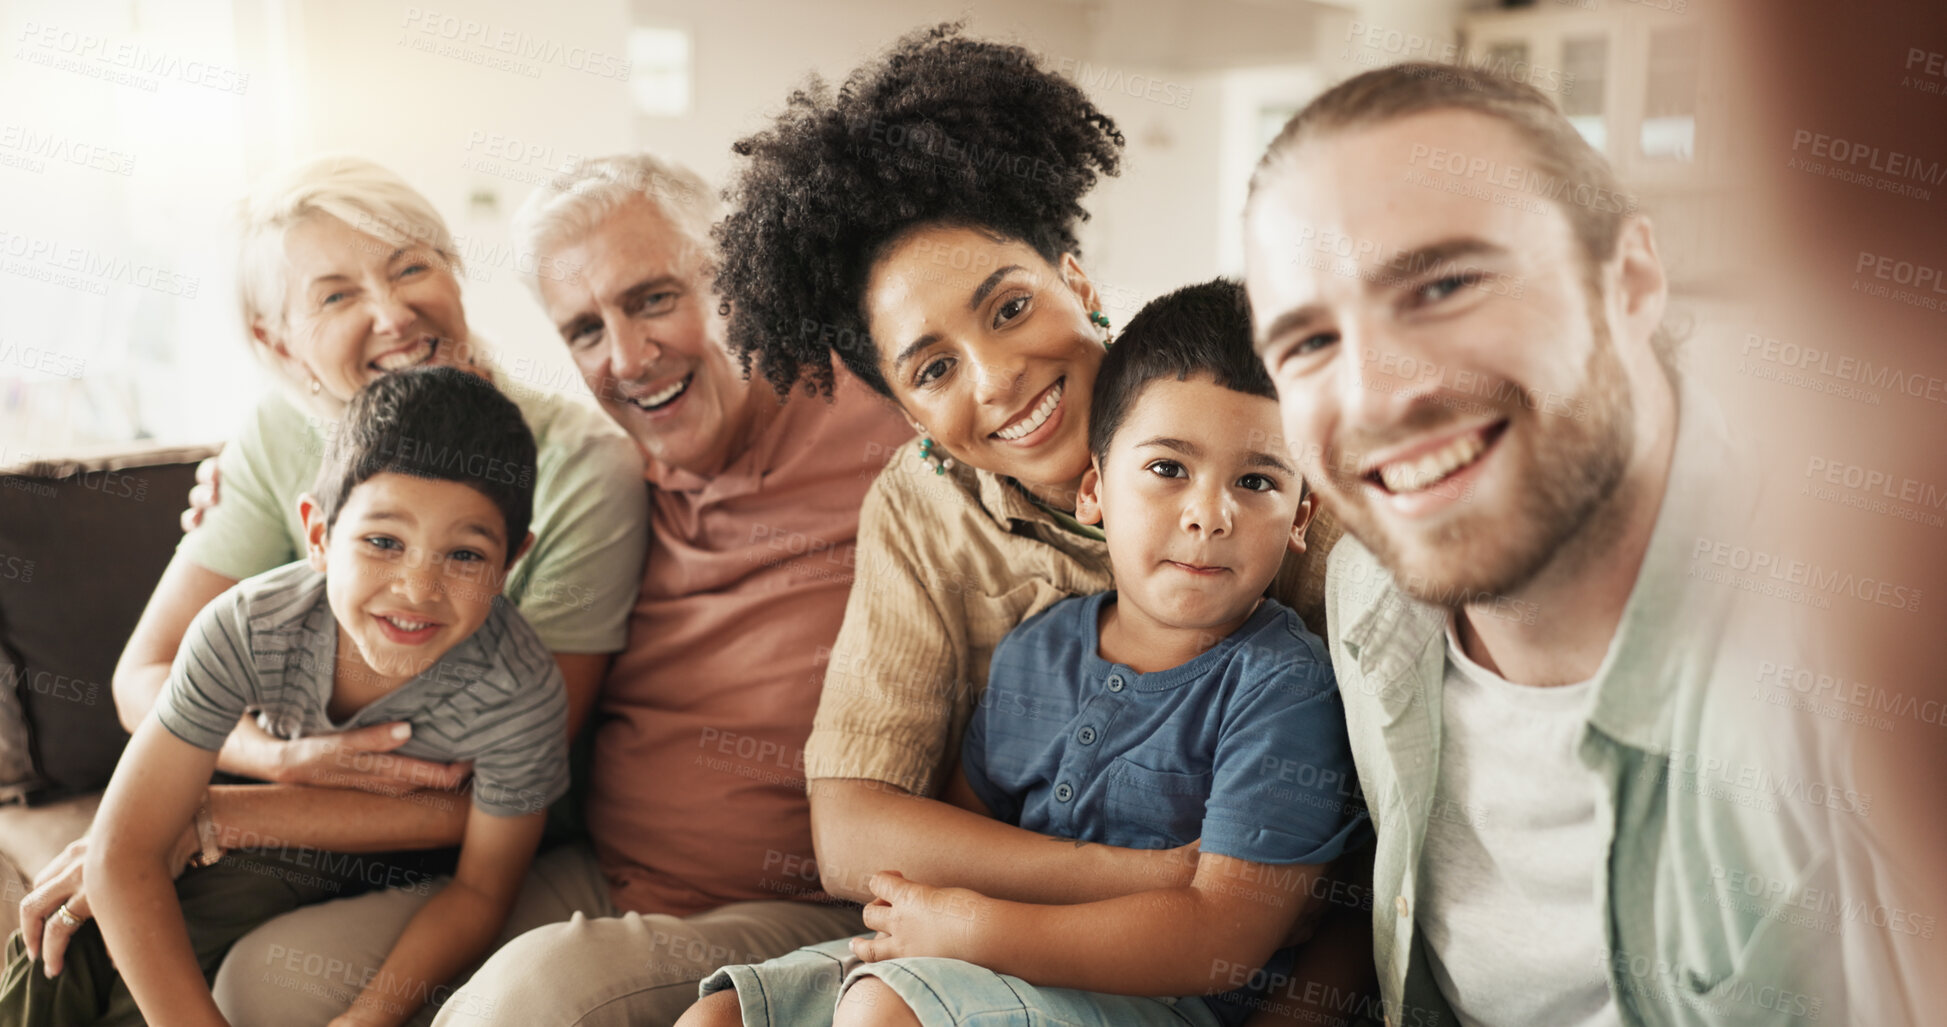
[269, 644]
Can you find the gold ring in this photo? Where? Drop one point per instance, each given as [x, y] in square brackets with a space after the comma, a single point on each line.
[66, 917]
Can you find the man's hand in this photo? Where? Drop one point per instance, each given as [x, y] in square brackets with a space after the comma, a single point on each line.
[43, 930]
[360, 759]
[203, 496]
[916, 919]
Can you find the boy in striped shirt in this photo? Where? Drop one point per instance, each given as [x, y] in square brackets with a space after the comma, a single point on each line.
[395, 614]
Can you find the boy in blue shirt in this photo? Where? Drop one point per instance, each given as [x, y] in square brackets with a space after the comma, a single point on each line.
[421, 507]
[1161, 715]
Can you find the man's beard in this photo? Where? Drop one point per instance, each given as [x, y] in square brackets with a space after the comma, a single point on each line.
[1568, 468]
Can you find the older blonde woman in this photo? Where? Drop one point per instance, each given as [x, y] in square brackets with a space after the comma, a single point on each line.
[346, 274]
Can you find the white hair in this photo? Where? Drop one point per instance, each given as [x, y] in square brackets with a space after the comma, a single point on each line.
[362, 194]
[359, 192]
[574, 203]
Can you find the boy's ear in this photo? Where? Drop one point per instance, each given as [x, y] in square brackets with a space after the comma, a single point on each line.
[526, 544]
[1306, 507]
[312, 514]
[1088, 497]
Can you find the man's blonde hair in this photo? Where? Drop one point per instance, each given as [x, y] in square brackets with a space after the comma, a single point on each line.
[1563, 167]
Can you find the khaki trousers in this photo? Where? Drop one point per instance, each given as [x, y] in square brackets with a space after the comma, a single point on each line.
[565, 957]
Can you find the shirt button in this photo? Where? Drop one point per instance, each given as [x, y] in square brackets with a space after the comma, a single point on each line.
[1063, 793]
[1086, 736]
[1399, 903]
[1115, 682]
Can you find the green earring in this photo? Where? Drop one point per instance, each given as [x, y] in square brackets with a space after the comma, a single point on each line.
[940, 461]
[1099, 318]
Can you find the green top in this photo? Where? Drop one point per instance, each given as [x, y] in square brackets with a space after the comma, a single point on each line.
[576, 585]
[1729, 819]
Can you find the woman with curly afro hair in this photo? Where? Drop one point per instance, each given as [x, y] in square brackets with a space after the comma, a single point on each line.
[916, 229]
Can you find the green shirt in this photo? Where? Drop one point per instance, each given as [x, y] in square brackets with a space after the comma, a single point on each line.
[576, 585]
[1728, 819]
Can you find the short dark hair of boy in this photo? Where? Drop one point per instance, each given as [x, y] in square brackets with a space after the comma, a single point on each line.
[1198, 329]
[440, 423]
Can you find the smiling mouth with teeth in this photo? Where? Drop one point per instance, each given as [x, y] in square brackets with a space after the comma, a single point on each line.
[664, 397]
[407, 625]
[418, 353]
[1402, 477]
[1034, 419]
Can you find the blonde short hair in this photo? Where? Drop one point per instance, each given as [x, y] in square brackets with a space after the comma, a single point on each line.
[570, 206]
[359, 192]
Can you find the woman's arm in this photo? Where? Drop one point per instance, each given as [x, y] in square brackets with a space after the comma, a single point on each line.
[182, 593]
[1191, 940]
[154, 793]
[862, 827]
[456, 926]
[583, 674]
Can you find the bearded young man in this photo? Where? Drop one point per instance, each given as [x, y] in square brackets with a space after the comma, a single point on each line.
[1584, 815]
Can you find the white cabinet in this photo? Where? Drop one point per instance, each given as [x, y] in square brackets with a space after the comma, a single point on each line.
[1635, 81]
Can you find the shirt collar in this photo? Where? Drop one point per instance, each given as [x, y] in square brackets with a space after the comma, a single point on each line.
[746, 471]
[1004, 502]
[1669, 619]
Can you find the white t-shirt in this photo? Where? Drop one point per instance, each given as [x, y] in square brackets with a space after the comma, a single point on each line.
[1508, 896]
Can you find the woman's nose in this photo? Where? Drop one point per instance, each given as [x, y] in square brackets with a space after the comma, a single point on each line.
[391, 314]
[997, 378]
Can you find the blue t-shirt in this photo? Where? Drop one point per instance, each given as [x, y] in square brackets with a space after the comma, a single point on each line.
[1244, 746]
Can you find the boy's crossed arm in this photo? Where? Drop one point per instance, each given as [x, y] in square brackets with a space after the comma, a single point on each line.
[1184, 940]
[456, 926]
[1191, 940]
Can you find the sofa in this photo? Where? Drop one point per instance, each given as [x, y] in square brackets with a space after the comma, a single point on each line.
[83, 540]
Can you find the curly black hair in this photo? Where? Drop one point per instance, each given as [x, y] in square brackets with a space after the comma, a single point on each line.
[941, 129]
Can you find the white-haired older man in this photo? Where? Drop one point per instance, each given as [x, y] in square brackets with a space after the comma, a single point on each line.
[700, 847]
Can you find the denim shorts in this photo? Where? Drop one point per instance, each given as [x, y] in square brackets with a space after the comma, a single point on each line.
[803, 988]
